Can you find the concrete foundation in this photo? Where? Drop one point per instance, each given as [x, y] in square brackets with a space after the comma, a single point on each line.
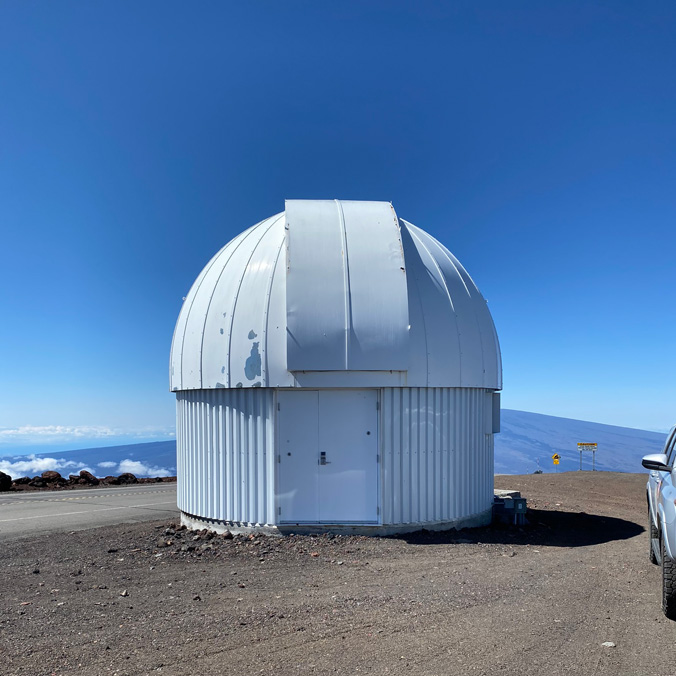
[198, 523]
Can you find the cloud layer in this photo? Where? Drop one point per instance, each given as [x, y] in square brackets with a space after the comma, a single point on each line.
[142, 469]
[30, 465]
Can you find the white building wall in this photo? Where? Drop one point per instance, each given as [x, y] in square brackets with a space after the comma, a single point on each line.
[225, 454]
[436, 454]
[437, 463]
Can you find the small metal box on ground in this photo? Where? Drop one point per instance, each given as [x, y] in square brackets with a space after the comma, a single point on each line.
[510, 509]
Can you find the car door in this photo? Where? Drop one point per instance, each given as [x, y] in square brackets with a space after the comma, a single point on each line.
[656, 479]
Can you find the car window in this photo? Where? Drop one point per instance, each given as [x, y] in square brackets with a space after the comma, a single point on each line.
[669, 448]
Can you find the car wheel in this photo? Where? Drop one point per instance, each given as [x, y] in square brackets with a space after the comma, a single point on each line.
[668, 584]
[654, 535]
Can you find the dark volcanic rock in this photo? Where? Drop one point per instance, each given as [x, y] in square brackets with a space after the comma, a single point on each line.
[5, 481]
[73, 478]
[112, 480]
[88, 478]
[127, 478]
[37, 482]
[52, 477]
[22, 481]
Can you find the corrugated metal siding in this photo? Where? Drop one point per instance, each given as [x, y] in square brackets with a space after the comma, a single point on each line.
[225, 454]
[437, 460]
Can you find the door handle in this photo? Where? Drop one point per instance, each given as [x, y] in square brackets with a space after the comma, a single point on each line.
[322, 458]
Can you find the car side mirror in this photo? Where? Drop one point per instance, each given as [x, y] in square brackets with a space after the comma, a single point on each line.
[656, 462]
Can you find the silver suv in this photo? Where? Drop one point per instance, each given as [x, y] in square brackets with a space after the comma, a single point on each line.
[661, 490]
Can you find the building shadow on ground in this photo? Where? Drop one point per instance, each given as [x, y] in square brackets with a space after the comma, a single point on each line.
[543, 527]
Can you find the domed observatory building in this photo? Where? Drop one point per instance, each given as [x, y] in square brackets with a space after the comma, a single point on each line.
[335, 367]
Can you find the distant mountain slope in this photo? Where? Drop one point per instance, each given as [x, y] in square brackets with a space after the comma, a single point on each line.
[527, 437]
[157, 458]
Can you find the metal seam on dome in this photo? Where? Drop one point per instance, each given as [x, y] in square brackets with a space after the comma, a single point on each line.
[448, 295]
[441, 274]
[266, 315]
[347, 303]
[445, 252]
[450, 259]
[496, 341]
[187, 317]
[245, 235]
[414, 280]
[203, 276]
[239, 287]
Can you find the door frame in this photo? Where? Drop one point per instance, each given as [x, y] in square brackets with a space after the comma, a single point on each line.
[379, 457]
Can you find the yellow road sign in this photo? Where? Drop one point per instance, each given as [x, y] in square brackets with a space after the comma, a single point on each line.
[585, 446]
[556, 456]
[556, 461]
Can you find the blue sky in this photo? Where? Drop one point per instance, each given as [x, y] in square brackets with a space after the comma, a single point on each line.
[535, 140]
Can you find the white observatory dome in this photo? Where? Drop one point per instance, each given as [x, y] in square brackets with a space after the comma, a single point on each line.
[334, 294]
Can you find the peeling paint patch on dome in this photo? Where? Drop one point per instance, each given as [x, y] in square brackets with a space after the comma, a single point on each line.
[252, 366]
[252, 335]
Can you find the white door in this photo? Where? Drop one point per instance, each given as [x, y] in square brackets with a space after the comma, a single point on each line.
[298, 433]
[328, 456]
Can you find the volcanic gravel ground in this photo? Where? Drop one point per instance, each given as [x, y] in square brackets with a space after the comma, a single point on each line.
[542, 599]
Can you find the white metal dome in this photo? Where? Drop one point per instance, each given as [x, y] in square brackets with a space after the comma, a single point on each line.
[334, 294]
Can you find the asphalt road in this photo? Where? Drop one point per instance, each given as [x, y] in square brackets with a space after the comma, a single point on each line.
[28, 514]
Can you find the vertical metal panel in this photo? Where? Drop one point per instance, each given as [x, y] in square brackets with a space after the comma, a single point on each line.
[225, 454]
[274, 352]
[346, 296]
[437, 463]
[377, 322]
[315, 286]
[496, 413]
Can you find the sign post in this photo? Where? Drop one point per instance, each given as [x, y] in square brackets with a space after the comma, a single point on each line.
[587, 446]
[556, 457]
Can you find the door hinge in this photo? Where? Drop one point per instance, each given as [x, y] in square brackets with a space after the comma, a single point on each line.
[377, 458]
[278, 406]
[378, 511]
[377, 406]
[279, 511]
[279, 459]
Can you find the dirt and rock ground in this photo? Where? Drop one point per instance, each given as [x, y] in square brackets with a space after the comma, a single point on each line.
[542, 599]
